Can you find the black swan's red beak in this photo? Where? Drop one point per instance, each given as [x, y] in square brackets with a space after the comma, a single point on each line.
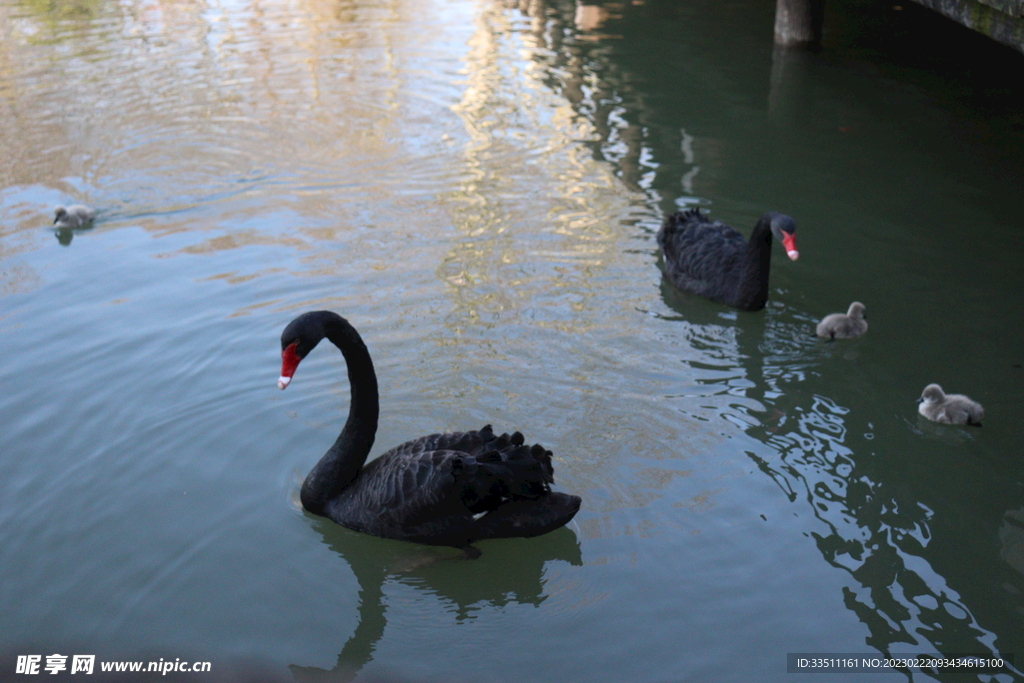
[289, 361]
[789, 241]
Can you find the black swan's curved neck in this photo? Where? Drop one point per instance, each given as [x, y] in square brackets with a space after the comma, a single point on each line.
[752, 290]
[342, 463]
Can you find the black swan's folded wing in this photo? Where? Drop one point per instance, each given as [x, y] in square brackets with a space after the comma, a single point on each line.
[432, 487]
[701, 255]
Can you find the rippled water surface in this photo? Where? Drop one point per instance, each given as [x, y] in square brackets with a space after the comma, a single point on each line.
[476, 186]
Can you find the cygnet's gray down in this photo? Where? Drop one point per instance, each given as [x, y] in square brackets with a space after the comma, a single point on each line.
[847, 325]
[955, 409]
[74, 216]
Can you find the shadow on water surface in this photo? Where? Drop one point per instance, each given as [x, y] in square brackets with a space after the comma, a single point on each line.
[508, 571]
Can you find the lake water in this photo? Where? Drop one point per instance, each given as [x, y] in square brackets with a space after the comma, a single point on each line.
[476, 186]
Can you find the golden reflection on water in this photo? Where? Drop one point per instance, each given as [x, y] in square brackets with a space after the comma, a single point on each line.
[154, 109]
[160, 107]
[359, 144]
[374, 142]
[519, 130]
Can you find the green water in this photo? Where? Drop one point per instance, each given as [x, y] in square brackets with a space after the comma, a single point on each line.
[476, 186]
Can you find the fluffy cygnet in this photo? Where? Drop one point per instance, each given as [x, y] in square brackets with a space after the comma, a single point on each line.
[955, 409]
[847, 325]
[74, 216]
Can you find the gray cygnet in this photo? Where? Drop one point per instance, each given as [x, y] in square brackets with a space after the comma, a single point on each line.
[74, 216]
[847, 325]
[955, 409]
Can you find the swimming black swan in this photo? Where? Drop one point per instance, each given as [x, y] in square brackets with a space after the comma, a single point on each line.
[847, 325]
[711, 259]
[74, 216]
[443, 489]
[957, 409]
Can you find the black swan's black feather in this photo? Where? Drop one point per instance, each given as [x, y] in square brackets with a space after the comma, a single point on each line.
[443, 489]
[711, 259]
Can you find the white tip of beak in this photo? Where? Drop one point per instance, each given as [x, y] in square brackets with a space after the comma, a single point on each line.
[794, 255]
[282, 382]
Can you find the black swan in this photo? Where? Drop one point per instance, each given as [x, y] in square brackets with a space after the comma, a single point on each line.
[956, 409]
[711, 259]
[847, 325]
[74, 216]
[442, 489]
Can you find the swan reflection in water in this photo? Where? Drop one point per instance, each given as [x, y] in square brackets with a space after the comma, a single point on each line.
[65, 235]
[508, 571]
